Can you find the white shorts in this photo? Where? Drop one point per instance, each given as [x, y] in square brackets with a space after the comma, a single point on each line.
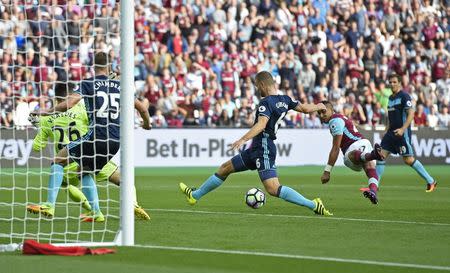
[116, 158]
[362, 145]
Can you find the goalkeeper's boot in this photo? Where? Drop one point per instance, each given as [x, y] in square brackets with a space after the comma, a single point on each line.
[188, 192]
[431, 187]
[46, 209]
[320, 208]
[140, 213]
[93, 217]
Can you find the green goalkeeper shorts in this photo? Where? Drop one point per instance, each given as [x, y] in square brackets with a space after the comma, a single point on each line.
[71, 173]
[106, 172]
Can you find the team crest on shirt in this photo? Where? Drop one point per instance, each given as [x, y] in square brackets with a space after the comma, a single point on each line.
[408, 103]
[262, 108]
[76, 88]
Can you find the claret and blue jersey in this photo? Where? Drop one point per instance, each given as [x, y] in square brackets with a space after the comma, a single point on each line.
[341, 125]
[262, 153]
[398, 107]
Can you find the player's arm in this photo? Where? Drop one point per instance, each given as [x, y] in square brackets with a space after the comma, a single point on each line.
[337, 126]
[144, 114]
[309, 107]
[71, 101]
[254, 131]
[409, 119]
[332, 157]
[41, 139]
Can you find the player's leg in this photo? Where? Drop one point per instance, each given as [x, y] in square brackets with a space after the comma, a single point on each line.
[273, 187]
[91, 164]
[420, 169]
[72, 179]
[213, 182]
[54, 183]
[406, 150]
[114, 178]
[359, 156]
[388, 146]
[89, 189]
[371, 192]
[238, 163]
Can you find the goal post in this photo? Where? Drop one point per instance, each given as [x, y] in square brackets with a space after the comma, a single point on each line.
[126, 122]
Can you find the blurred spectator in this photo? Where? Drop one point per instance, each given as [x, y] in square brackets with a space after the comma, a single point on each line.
[420, 118]
[432, 117]
[312, 121]
[195, 60]
[444, 117]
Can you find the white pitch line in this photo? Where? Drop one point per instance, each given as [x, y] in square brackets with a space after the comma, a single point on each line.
[303, 217]
[299, 257]
[356, 187]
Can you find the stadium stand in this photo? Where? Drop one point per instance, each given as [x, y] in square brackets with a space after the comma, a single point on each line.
[195, 59]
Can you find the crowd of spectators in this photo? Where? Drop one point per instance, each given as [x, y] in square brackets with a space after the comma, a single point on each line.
[195, 59]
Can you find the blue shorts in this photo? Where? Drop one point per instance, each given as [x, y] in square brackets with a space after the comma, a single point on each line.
[92, 154]
[398, 145]
[258, 157]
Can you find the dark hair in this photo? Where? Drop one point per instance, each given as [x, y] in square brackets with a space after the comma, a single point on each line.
[264, 81]
[327, 104]
[100, 60]
[63, 89]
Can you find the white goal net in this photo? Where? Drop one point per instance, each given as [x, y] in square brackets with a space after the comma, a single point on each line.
[42, 44]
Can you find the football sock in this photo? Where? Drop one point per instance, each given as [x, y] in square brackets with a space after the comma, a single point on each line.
[373, 179]
[373, 185]
[380, 169]
[210, 184]
[89, 189]
[54, 182]
[420, 169]
[291, 195]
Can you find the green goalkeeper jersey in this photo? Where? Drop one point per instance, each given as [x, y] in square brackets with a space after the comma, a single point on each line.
[62, 128]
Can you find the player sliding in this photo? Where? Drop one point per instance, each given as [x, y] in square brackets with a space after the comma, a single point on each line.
[261, 155]
[61, 128]
[93, 150]
[397, 139]
[357, 150]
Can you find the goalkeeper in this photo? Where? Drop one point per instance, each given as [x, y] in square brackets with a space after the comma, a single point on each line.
[61, 129]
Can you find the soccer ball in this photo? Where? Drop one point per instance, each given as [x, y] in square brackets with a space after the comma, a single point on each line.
[255, 198]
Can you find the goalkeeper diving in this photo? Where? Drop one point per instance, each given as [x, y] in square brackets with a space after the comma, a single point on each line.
[61, 129]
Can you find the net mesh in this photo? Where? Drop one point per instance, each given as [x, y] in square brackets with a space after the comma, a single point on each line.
[44, 43]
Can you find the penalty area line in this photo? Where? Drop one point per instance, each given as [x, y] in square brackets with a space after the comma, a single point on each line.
[298, 257]
[331, 218]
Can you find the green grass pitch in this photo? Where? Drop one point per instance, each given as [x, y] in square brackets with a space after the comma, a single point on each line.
[408, 231]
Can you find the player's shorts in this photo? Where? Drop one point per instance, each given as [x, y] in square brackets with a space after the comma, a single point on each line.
[258, 157]
[106, 172]
[92, 154]
[71, 173]
[398, 145]
[362, 145]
